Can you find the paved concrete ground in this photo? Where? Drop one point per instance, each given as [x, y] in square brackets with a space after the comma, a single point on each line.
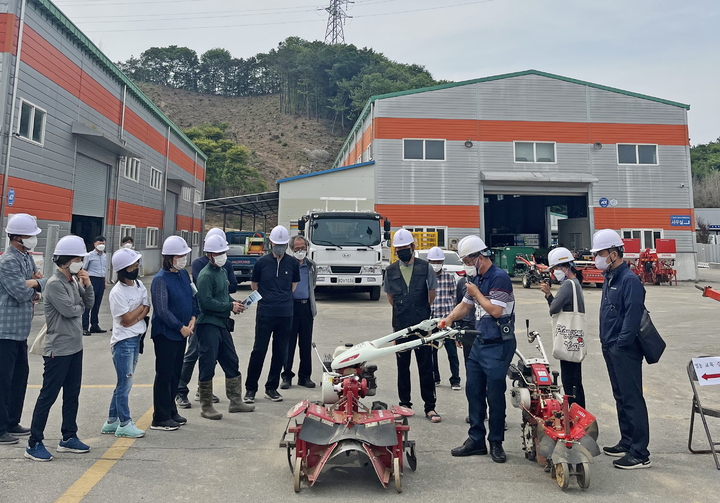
[238, 459]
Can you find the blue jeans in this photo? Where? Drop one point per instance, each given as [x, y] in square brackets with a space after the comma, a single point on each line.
[125, 357]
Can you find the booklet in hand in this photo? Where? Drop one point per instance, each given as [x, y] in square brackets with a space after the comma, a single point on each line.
[253, 298]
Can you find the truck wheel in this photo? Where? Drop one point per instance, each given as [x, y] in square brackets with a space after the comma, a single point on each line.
[375, 293]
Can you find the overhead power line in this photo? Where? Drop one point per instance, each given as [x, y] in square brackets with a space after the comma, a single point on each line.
[337, 13]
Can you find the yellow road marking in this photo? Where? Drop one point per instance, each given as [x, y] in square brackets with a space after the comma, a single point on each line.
[85, 386]
[102, 466]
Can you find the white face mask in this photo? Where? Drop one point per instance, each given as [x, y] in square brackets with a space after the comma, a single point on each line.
[437, 267]
[559, 275]
[30, 243]
[220, 259]
[101, 248]
[180, 263]
[300, 255]
[129, 246]
[601, 262]
[470, 271]
[75, 267]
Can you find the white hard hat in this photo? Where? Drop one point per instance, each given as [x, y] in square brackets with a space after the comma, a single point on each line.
[175, 245]
[215, 231]
[471, 245]
[605, 239]
[559, 256]
[279, 235]
[215, 244]
[435, 253]
[403, 237]
[123, 258]
[72, 246]
[22, 224]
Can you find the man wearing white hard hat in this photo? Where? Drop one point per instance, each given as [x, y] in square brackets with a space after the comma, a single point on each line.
[442, 306]
[214, 327]
[20, 282]
[410, 285]
[490, 292]
[621, 309]
[191, 355]
[129, 306]
[68, 293]
[275, 276]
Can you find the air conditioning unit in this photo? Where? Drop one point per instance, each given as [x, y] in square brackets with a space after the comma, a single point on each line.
[454, 243]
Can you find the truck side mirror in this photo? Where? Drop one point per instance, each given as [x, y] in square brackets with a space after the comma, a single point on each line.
[301, 226]
[387, 226]
[387, 236]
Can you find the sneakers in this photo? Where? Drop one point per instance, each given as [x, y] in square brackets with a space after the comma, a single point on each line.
[216, 399]
[129, 431]
[455, 387]
[110, 428]
[73, 444]
[249, 396]
[308, 383]
[7, 439]
[179, 419]
[629, 462]
[38, 453]
[19, 431]
[272, 394]
[616, 451]
[168, 425]
[182, 402]
[285, 384]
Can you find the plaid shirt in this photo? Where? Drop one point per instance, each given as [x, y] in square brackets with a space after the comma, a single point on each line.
[16, 299]
[445, 300]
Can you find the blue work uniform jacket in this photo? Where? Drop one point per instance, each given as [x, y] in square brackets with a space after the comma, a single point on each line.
[621, 308]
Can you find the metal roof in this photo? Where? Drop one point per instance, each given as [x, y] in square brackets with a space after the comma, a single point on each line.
[373, 99]
[89, 47]
[332, 170]
[262, 204]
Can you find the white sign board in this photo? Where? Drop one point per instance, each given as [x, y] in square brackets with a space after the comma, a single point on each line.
[707, 370]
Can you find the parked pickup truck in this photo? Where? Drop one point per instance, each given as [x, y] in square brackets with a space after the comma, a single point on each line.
[245, 247]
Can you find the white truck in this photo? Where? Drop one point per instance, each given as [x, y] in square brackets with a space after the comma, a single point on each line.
[347, 247]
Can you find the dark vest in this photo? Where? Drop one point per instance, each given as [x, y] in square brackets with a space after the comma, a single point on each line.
[410, 305]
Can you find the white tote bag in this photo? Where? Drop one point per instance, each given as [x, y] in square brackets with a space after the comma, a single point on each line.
[569, 333]
[38, 346]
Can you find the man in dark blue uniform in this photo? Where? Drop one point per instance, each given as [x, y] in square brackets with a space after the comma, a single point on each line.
[621, 309]
[490, 292]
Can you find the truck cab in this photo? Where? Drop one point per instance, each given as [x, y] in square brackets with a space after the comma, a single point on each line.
[244, 248]
[347, 247]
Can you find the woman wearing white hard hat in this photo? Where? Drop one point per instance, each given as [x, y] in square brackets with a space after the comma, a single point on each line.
[173, 321]
[67, 294]
[20, 282]
[275, 276]
[567, 309]
[129, 306]
[621, 310]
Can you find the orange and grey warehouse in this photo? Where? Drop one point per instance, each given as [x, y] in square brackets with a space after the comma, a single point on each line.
[522, 158]
[83, 149]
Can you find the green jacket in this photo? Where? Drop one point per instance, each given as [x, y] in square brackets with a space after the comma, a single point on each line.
[213, 297]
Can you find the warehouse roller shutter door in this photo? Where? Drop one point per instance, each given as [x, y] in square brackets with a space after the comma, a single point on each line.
[90, 187]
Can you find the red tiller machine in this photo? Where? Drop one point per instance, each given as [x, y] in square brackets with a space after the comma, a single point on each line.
[657, 267]
[709, 292]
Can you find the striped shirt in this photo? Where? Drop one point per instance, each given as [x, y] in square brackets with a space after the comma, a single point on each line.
[444, 301]
[497, 287]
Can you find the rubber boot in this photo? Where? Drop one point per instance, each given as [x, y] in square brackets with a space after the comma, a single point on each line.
[206, 401]
[233, 388]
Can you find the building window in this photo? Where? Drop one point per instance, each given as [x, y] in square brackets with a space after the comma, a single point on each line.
[441, 232]
[156, 178]
[186, 236]
[195, 238]
[132, 169]
[127, 230]
[637, 154]
[647, 237]
[526, 151]
[198, 196]
[424, 150]
[32, 123]
[151, 239]
[187, 194]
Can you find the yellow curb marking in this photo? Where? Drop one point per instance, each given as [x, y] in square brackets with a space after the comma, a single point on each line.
[102, 466]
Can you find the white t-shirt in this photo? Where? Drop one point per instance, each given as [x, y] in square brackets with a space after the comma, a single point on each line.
[124, 299]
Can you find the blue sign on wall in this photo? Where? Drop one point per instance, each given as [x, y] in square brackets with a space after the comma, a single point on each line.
[11, 197]
[604, 202]
[680, 221]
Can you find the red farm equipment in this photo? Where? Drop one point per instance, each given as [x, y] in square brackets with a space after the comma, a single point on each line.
[656, 267]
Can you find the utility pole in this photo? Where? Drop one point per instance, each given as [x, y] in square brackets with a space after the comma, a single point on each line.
[337, 13]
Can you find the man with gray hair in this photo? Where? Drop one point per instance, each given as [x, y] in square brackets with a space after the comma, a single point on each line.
[304, 310]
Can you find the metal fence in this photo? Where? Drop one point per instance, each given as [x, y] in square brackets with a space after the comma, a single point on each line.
[708, 253]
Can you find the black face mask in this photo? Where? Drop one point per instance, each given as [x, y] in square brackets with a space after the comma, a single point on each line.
[132, 275]
[405, 255]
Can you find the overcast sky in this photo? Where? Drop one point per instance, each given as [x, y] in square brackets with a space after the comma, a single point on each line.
[664, 48]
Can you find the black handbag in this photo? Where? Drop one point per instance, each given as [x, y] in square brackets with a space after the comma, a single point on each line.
[651, 343]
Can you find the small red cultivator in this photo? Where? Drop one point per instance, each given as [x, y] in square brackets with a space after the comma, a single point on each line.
[342, 424]
[560, 437]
